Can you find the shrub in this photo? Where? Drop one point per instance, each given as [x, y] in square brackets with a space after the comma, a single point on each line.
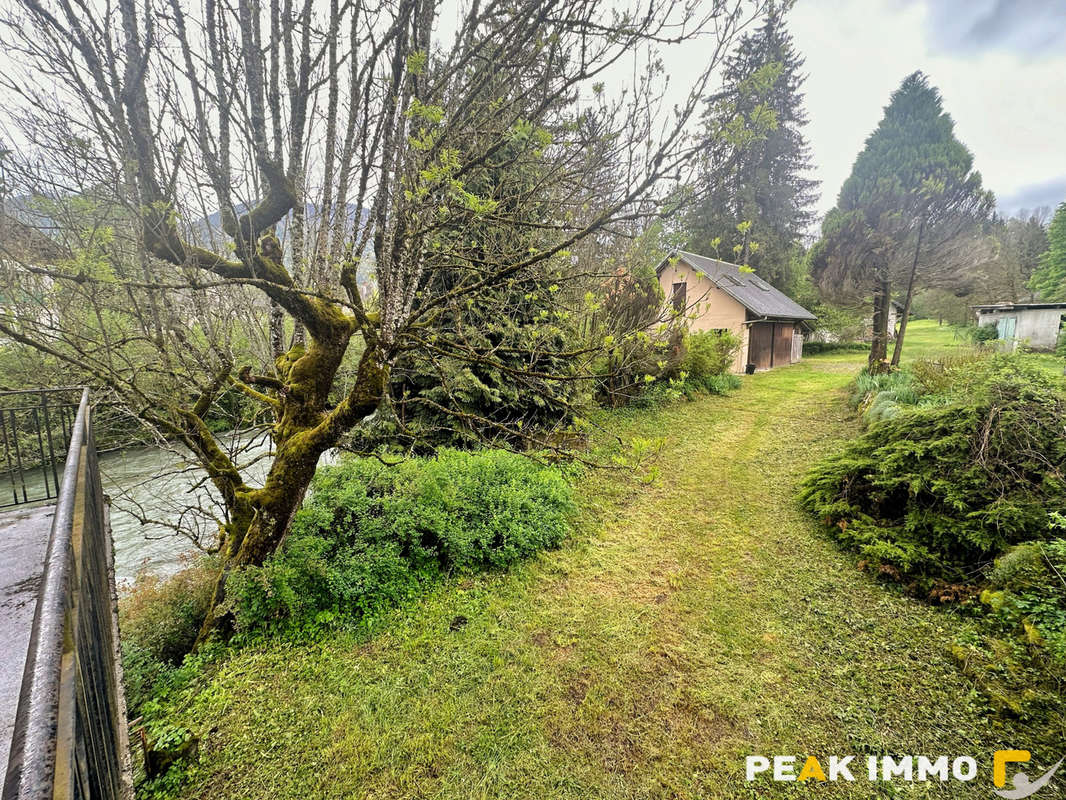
[980, 334]
[720, 384]
[1018, 657]
[868, 386]
[708, 353]
[662, 392]
[947, 373]
[622, 372]
[968, 470]
[691, 364]
[370, 535]
[817, 348]
[935, 492]
[1027, 593]
[160, 619]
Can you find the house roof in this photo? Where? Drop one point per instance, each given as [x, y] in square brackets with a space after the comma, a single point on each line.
[1016, 306]
[746, 288]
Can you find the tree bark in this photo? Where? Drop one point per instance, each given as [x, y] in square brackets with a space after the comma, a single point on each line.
[879, 342]
[260, 518]
[898, 349]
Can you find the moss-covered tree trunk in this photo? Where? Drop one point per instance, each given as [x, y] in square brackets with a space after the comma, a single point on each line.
[259, 518]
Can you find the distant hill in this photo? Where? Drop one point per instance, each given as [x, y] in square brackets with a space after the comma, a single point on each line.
[210, 228]
[39, 232]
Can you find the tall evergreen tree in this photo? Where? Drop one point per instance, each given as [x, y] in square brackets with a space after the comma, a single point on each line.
[1049, 281]
[911, 192]
[757, 171]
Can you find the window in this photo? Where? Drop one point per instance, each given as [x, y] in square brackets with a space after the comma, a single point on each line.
[760, 283]
[678, 296]
[1005, 327]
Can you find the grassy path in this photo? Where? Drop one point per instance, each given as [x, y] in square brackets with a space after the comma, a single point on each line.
[690, 622]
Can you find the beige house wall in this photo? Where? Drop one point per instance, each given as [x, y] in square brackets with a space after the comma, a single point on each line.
[709, 308]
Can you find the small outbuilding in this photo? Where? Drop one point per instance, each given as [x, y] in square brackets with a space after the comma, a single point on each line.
[1036, 325]
[717, 295]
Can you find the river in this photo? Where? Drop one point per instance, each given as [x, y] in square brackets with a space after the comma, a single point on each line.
[161, 485]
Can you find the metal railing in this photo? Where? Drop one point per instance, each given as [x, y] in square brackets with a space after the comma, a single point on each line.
[69, 739]
[35, 431]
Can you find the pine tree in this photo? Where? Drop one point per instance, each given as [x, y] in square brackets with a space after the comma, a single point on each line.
[755, 172]
[911, 192]
[1049, 281]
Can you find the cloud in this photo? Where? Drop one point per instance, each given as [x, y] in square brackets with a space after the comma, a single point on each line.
[1029, 27]
[1035, 195]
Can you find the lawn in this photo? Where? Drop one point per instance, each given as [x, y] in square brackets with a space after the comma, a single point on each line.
[691, 620]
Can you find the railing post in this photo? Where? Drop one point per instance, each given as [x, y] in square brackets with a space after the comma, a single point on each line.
[69, 739]
[51, 444]
[34, 475]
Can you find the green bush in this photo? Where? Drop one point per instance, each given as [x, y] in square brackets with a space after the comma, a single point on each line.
[708, 353]
[1019, 661]
[159, 619]
[846, 325]
[964, 467]
[981, 333]
[1027, 592]
[693, 364]
[371, 535]
[947, 374]
[817, 348]
[662, 392]
[867, 387]
[936, 491]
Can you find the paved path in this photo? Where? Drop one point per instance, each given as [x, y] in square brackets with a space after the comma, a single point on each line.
[23, 540]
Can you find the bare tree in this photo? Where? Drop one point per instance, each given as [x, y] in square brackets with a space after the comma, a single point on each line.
[246, 161]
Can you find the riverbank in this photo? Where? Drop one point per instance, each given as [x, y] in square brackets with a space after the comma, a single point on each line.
[689, 622]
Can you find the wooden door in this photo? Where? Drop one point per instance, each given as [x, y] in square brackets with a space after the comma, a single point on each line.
[761, 345]
[782, 344]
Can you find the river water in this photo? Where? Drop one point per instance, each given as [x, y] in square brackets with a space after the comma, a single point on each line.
[162, 485]
[152, 489]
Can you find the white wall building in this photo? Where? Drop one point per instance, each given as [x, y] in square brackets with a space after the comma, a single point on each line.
[1035, 325]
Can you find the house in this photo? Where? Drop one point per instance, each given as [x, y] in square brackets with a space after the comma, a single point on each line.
[1035, 324]
[717, 295]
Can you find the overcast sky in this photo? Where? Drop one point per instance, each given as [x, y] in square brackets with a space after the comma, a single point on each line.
[1000, 65]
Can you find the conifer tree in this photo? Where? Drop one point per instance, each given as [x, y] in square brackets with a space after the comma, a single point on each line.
[911, 192]
[1049, 281]
[756, 172]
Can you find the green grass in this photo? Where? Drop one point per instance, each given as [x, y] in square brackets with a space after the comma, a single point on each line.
[689, 622]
